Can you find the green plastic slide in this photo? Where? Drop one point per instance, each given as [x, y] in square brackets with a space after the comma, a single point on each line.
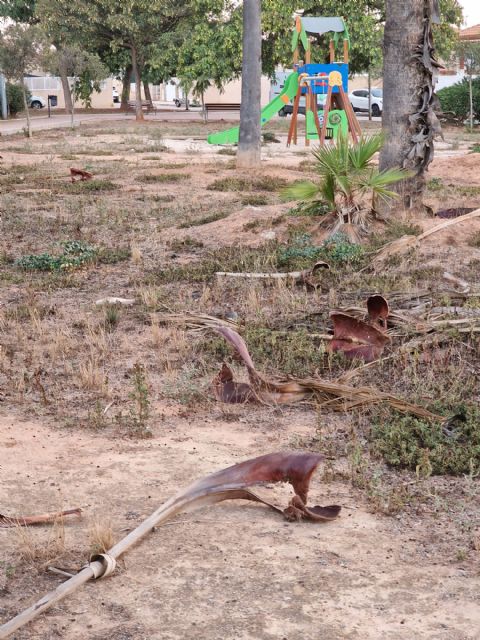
[290, 89]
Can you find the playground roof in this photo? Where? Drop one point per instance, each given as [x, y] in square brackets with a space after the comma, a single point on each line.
[319, 26]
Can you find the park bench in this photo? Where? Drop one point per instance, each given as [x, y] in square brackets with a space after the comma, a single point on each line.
[217, 106]
[147, 106]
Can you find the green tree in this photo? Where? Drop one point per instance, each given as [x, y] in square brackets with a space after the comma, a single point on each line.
[86, 69]
[469, 52]
[19, 53]
[135, 26]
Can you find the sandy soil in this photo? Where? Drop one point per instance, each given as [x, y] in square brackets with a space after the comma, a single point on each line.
[230, 571]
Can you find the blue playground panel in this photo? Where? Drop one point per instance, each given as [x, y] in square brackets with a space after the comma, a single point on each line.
[321, 85]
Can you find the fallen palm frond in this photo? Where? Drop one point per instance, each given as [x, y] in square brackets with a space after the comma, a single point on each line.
[44, 518]
[196, 321]
[405, 243]
[361, 337]
[231, 483]
[334, 394]
[79, 175]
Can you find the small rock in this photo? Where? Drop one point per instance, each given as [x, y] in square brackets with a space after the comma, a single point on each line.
[269, 235]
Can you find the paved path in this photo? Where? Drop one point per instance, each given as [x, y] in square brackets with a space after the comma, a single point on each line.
[164, 113]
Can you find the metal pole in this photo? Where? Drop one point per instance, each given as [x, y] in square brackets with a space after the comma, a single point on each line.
[3, 97]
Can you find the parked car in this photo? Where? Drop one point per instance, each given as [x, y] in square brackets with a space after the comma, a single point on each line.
[37, 102]
[359, 101]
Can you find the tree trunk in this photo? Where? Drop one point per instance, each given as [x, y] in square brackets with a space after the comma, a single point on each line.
[126, 80]
[146, 90]
[138, 86]
[67, 93]
[249, 144]
[409, 121]
[25, 104]
[470, 94]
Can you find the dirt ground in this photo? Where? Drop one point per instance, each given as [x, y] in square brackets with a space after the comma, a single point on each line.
[233, 571]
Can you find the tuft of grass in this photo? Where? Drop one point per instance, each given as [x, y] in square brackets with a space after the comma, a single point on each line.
[101, 537]
[186, 244]
[435, 184]
[254, 200]
[227, 151]
[91, 186]
[430, 448]
[112, 255]
[263, 183]
[212, 217]
[162, 177]
[474, 241]
[475, 148]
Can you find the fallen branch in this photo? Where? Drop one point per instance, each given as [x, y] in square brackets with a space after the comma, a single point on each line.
[44, 518]
[231, 483]
[405, 243]
[296, 276]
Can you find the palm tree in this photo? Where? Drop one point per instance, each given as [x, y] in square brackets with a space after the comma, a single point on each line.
[350, 185]
[409, 122]
[249, 141]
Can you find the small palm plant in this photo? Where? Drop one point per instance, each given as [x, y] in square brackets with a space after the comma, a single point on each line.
[350, 184]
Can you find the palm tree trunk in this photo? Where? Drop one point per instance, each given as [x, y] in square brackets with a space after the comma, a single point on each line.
[249, 145]
[126, 80]
[409, 122]
[138, 86]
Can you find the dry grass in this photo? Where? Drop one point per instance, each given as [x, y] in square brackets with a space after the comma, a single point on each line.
[100, 536]
[39, 547]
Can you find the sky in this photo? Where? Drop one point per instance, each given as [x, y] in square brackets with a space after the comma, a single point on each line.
[471, 11]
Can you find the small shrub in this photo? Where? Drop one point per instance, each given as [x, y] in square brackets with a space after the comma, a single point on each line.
[139, 412]
[88, 186]
[15, 98]
[475, 148]
[456, 98]
[418, 444]
[302, 253]
[435, 184]
[75, 254]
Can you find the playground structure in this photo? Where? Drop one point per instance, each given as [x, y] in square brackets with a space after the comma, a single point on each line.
[310, 81]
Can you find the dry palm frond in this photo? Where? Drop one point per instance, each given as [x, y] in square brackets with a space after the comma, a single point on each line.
[196, 321]
[405, 243]
[332, 393]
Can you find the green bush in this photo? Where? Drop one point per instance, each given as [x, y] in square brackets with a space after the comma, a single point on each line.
[15, 98]
[75, 254]
[457, 98]
[410, 442]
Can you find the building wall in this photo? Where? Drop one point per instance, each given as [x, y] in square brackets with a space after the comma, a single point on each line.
[44, 86]
[232, 92]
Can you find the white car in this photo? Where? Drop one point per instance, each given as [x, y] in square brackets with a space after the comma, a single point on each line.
[37, 102]
[359, 101]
